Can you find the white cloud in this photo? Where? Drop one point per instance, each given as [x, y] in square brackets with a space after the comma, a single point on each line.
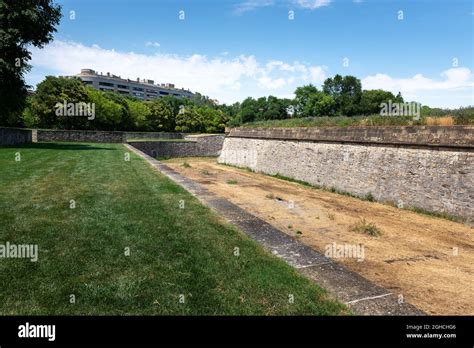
[252, 5]
[318, 75]
[151, 43]
[312, 4]
[231, 79]
[453, 78]
[454, 88]
[269, 83]
[225, 78]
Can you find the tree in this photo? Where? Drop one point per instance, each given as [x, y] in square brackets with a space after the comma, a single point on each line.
[49, 93]
[311, 102]
[139, 113]
[213, 120]
[275, 108]
[371, 100]
[346, 92]
[248, 110]
[230, 110]
[22, 23]
[160, 117]
[189, 120]
[109, 114]
[124, 118]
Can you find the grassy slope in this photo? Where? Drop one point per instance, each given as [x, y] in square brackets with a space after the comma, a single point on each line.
[127, 204]
[373, 120]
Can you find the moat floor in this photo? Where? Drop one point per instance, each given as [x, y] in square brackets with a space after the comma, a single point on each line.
[428, 261]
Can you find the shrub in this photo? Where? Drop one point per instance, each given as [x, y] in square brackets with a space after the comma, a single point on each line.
[363, 226]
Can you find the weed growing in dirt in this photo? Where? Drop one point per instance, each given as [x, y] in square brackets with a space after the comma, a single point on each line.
[186, 165]
[232, 182]
[363, 226]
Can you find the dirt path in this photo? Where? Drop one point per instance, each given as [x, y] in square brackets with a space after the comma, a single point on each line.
[429, 261]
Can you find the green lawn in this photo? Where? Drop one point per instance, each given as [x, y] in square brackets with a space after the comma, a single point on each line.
[120, 205]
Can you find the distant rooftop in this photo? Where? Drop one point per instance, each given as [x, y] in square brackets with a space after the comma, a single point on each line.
[91, 72]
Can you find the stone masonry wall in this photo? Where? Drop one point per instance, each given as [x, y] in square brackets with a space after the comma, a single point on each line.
[193, 146]
[80, 136]
[438, 179]
[15, 136]
[153, 135]
[396, 135]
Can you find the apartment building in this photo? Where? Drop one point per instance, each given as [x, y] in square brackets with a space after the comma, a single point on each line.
[140, 88]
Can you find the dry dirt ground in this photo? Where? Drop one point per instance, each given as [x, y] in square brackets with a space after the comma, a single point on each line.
[427, 260]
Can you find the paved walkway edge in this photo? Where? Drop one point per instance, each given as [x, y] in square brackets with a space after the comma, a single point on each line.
[361, 295]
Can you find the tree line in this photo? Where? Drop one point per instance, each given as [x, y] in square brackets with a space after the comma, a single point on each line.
[339, 96]
[113, 111]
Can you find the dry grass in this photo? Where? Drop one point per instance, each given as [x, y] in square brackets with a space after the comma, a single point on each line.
[440, 121]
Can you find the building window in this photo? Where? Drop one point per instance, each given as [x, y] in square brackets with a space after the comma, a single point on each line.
[106, 84]
[164, 93]
[122, 86]
[138, 89]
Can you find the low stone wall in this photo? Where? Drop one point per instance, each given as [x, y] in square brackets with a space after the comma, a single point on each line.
[80, 136]
[192, 146]
[153, 135]
[396, 135]
[15, 136]
[435, 172]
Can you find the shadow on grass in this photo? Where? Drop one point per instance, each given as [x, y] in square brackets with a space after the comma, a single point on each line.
[65, 146]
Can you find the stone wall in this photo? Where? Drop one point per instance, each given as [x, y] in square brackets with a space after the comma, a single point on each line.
[15, 136]
[191, 146]
[104, 136]
[80, 136]
[394, 135]
[435, 172]
[153, 135]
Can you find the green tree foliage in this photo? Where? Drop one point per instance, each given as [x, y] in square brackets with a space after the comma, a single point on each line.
[214, 120]
[346, 92]
[109, 114]
[249, 111]
[311, 102]
[139, 113]
[49, 93]
[271, 108]
[189, 120]
[113, 111]
[230, 110]
[161, 116]
[371, 100]
[23, 24]
[275, 108]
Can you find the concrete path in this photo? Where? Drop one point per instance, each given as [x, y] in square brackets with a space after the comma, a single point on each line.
[361, 295]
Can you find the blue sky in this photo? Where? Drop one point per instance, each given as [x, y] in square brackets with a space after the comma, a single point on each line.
[233, 49]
